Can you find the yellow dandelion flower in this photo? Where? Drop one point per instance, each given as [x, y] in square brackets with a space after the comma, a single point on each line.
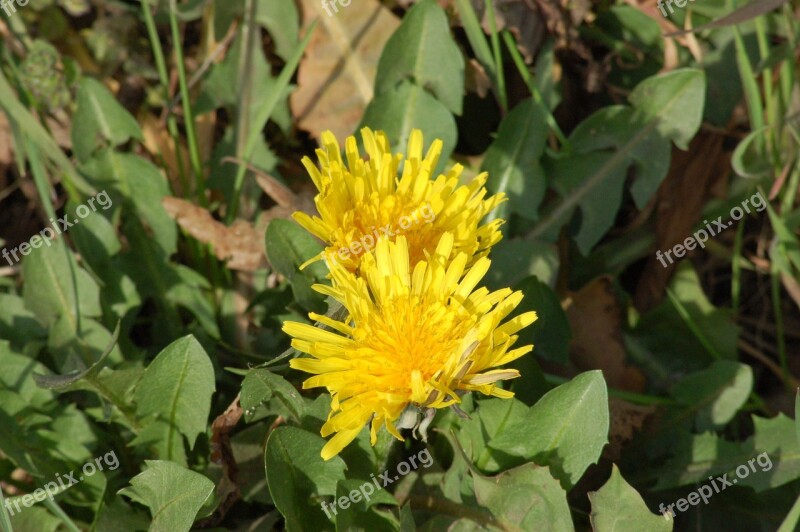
[414, 335]
[360, 201]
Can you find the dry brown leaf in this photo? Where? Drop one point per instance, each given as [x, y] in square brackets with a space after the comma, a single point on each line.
[60, 130]
[6, 146]
[222, 454]
[159, 144]
[596, 321]
[240, 244]
[626, 419]
[336, 78]
[679, 204]
[206, 129]
[477, 80]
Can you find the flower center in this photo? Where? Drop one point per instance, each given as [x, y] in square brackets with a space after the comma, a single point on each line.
[410, 340]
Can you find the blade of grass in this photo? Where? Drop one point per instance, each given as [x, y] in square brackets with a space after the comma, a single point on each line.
[191, 140]
[194, 248]
[40, 178]
[775, 285]
[476, 38]
[498, 59]
[73, 181]
[784, 255]
[17, 27]
[687, 319]
[188, 115]
[5, 519]
[736, 269]
[519, 62]
[161, 67]
[792, 518]
[244, 75]
[58, 512]
[788, 74]
[770, 99]
[790, 192]
[751, 92]
[264, 112]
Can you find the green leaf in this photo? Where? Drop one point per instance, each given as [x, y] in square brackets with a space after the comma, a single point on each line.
[119, 515]
[788, 249]
[423, 51]
[176, 389]
[494, 417]
[717, 393]
[675, 101]
[407, 106]
[64, 382]
[100, 118]
[513, 161]
[34, 518]
[297, 476]
[513, 260]
[550, 334]
[770, 458]
[190, 291]
[565, 430]
[673, 343]
[282, 22]
[17, 373]
[75, 350]
[617, 507]
[221, 88]
[33, 130]
[360, 497]
[137, 183]
[18, 324]
[173, 493]
[289, 246]
[262, 386]
[96, 239]
[698, 456]
[598, 209]
[48, 291]
[777, 450]
[527, 497]
[797, 414]
[407, 523]
[666, 108]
